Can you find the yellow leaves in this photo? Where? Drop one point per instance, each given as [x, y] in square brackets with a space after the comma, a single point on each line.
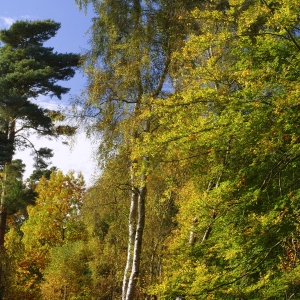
[216, 135]
[56, 202]
[245, 73]
[287, 15]
[67, 272]
[233, 254]
[281, 215]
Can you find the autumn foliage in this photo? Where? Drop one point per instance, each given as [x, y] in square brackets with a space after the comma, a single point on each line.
[195, 108]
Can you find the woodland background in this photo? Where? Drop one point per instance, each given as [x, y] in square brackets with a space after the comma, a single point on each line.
[194, 107]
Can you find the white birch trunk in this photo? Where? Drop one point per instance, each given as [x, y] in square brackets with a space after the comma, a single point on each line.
[136, 229]
[137, 242]
[132, 234]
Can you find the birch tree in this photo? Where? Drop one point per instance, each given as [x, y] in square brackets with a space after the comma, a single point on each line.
[128, 69]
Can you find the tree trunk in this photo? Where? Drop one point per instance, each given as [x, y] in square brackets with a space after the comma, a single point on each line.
[10, 133]
[136, 228]
[135, 270]
[138, 199]
[3, 214]
[132, 233]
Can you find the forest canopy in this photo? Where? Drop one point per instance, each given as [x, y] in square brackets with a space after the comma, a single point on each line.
[194, 108]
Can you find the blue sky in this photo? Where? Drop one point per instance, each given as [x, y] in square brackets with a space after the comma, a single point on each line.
[72, 37]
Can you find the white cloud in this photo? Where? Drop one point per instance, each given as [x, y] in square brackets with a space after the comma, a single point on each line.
[78, 158]
[49, 103]
[7, 21]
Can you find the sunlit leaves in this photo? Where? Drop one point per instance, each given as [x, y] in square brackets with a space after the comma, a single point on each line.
[68, 275]
[53, 221]
[233, 118]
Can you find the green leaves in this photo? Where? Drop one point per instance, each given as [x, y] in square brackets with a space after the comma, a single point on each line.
[17, 194]
[230, 120]
[68, 274]
[24, 33]
[197, 108]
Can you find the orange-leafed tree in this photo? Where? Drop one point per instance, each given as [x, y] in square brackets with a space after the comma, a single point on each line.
[53, 221]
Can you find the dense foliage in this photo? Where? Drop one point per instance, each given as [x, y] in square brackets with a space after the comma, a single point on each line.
[195, 106]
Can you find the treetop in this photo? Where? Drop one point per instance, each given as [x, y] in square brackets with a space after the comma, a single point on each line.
[23, 33]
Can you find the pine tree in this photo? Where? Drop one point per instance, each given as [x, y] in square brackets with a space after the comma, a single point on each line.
[28, 69]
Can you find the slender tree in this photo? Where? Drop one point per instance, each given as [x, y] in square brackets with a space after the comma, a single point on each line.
[128, 69]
